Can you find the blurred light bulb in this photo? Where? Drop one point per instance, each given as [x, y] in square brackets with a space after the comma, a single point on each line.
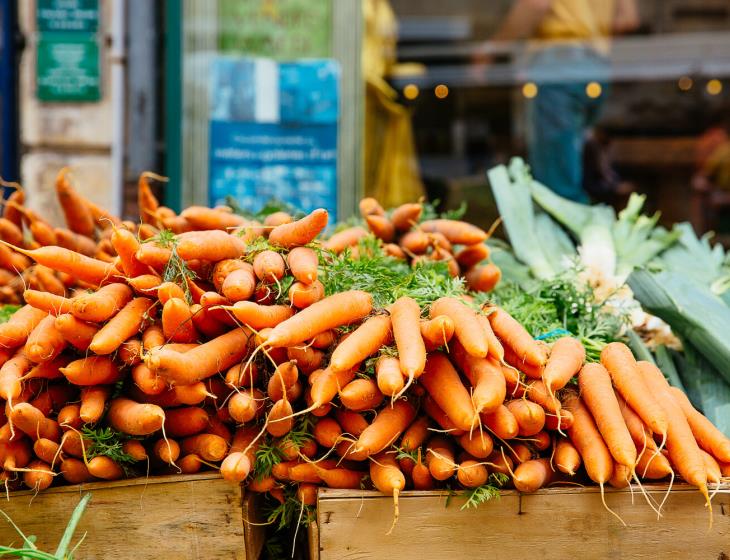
[714, 87]
[411, 91]
[685, 83]
[593, 90]
[529, 90]
[441, 91]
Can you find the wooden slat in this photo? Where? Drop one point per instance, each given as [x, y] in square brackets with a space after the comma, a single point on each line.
[170, 517]
[556, 523]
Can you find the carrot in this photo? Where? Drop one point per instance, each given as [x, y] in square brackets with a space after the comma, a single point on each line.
[586, 438]
[389, 423]
[208, 447]
[567, 459]
[304, 295]
[443, 384]
[388, 375]
[30, 420]
[279, 421]
[135, 450]
[458, 232]
[105, 468]
[205, 323]
[153, 255]
[369, 206]
[440, 458]
[471, 473]
[352, 423]
[126, 245]
[235, 467]
[437, 332]
[472, 255]
[74, 471]
[11, 373]
[268, 266]
[683, 449]
[48, 280]
[339, 477]
[84, 268]
[243, 376]
[405, 216]
[166, 450]
[532, 475]
[388, 478]
[73, 242]
[327, 432]
[331, 312]
[44, 343]
[146, 284]
[93, 400]
[485, 375]
[714, 474]
[346, 238]
[381, 227]
[307, 472]
[302, 263]
[260, 316]
[211, 245]
[177, 321]
[307, 358]
[14, 332]
[416, 434]
[530, 416]
[169, 290]
[70, 417]
[146, 200]
[50, 303]
[513, 335]
[483, 278]
[467, 329]
[621, 365]
[10, 232]
[76, 332]
[360, 395]
[73, 444]
[300, 232]
[597, 393]
[102, 218]
[362, 343]
[122, 326]
[46, 450]
[405, 318]
[39, 476]
[224, 268]
[201, 217]
[326, 385]
[415, 242]
[94, 370]
[133, 418]
[536, 392]
[185, 421]
[477, 444]
[435, 412]
[502, 423]
[239, 285]
[707, 435]
[566, 358]
[652, 465]
[77, 213]
[278, 218]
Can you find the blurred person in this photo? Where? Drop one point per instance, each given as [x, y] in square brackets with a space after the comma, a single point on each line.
[391, 165]
[568, 46]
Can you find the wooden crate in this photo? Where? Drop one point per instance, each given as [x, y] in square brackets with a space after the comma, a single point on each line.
[161, 518]
[556, 523]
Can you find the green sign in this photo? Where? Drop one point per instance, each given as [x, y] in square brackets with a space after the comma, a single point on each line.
[68, 15]
[68, 67]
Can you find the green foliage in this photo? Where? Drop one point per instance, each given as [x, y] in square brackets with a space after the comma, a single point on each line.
[429, 211]
[30, 551]
[387, 278]
[6, 311]
[176, 269]
[284, 515]
[107, 442]
[549, 308]
[271, 207]
[482, 494]
[302, 431]
[267, 455]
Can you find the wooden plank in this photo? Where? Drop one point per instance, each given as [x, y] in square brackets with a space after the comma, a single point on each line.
[170, 517]
[555, 523]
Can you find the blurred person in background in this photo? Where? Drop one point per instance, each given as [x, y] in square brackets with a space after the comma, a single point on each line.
[568, 46]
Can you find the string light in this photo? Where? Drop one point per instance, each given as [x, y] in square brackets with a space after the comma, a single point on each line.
[593, 90]
[529, 90]
[714, 87]
[441, 91]
[411, 91]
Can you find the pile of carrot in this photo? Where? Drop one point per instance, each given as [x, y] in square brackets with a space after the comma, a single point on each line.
[406, 236]
[205, 340]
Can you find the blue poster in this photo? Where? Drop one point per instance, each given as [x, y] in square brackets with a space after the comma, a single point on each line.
[273, 133]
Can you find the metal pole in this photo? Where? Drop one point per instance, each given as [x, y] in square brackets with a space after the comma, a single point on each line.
[117, 59]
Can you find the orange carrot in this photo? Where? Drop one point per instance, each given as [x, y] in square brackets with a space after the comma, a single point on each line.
[621, 365]
[443, 384]
[278, 218]
[538, 393]
[166, 450]
[483, 278]
[707, 435]
[477, 444]
[435, 412]
[185, 421]
[381, 227]
[530, 416]
[467, 328]
[502, 423]
[146, 284]
[458, 232]
[485, 376]
[135, 419]
[308, 358]
[304, 295]
[239, 285]
[48, 280]
[532, 475]
[11, 373]
[76, 332]
[331, 312]
[135, 449]
[201, 217]
[440, 458]
[388, 376]
[202, 362]
[340, 477]
[586, 438]
[169, 290]
[513, 335]
[177, 321]
[30, 420]
[260, 316]
[126, 245]
[472, 255]
[211, 245]
[406, 216]
[105, 468]
[346, 238]
[14, 332]
[279, 421]
[385, 429]
[122, 326]
[405, 316]
[46, 450]
[360, 395]
[597, 394]
[50, 303]
[93, 400]
[567, 459]
[362, 343]
[72, 241]
[302, 263]
[301, 232]
[388, 478]
[45, 342]
[77, 213]
[235, 467]
[566, 358]
[327, 432]
[268, 266]
[437, 332]
[471, 473]
[369, 206]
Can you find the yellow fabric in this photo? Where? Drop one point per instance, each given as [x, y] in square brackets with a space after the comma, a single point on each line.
[391, 165]
[572, 21]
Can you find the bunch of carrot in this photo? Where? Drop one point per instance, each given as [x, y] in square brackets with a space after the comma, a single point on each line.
[205, 340]
[406, 236]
